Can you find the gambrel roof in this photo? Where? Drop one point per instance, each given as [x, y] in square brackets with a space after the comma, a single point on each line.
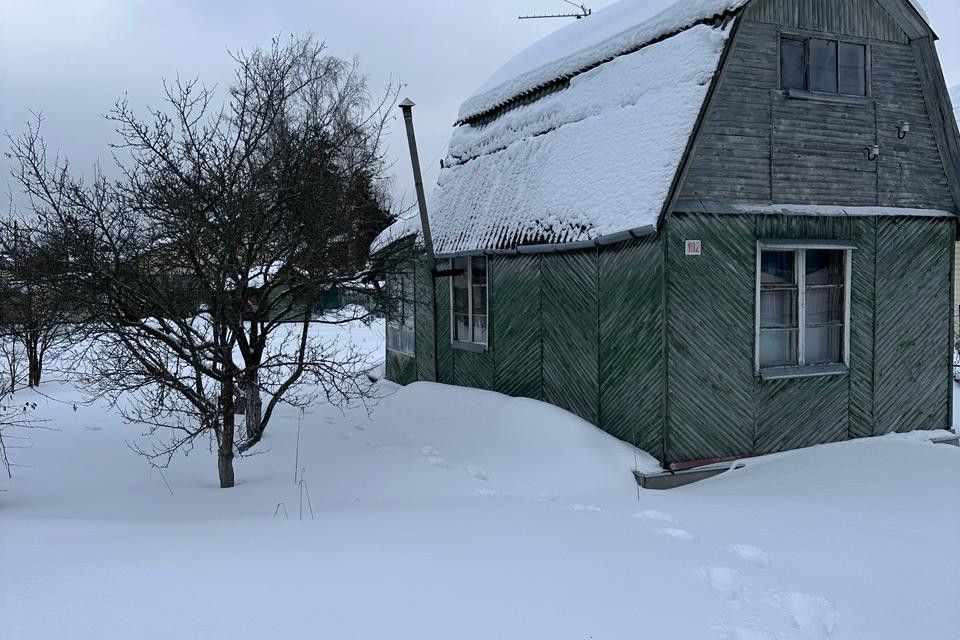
[584, 134]
[594, 158]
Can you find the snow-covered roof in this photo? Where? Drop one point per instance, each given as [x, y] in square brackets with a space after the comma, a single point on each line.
[404, 226]
[622, 27]
[594, 158]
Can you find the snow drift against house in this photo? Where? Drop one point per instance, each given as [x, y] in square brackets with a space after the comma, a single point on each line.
[612, 31]
[595, 158]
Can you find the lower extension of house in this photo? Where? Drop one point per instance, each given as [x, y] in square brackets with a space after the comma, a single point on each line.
[723, 231]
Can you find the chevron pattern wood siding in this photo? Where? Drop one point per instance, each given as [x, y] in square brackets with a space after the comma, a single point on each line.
[710, 304]
[444, 349]
[400, 368]
[801, 412]
[424, 327]
[570, 368]
[912, 324]
[631, 343]
[515, 310]
[472, 369]
[862, 302]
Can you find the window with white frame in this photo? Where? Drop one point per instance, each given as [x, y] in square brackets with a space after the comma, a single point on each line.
[401, 312]
[469, 300]
[803, 305]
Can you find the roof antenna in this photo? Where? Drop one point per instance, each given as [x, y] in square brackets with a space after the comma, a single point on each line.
[583, 12]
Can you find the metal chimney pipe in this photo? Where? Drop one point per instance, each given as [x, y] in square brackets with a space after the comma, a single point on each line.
[407, 107]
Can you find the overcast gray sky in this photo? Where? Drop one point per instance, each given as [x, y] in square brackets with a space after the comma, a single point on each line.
[71, 59]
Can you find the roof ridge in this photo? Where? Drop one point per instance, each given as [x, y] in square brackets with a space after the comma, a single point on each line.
[587, 44]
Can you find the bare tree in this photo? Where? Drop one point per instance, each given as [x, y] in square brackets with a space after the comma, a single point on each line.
[35, 317]
[13, 417]
[204, 262]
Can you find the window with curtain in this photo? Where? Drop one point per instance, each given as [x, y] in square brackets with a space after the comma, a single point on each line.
[823, 65]
[469, 300]
[401, 313]
[803, 307]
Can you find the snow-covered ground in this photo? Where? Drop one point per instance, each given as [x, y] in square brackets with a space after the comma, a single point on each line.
[455, 513]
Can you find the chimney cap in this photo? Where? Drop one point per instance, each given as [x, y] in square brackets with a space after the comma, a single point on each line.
[407, 103]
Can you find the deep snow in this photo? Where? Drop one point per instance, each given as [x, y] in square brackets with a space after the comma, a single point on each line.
[456, 513]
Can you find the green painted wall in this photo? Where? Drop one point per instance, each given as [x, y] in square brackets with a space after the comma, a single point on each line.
[516, 287]
[914, 309]
[900, 310]
[584, 330]
[710, 300]
[570, 332]
[400, 368]
[631, 343]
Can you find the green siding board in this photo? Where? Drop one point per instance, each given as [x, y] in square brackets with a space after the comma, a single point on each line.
[630, 356]
[444, 348]
[473, 369]
[400, 368]
[424, 328]
[570, 367]
[801, 412]
[912, 324]
[583, 330]
[516, 321]
[710, 336]
[862, 304]
[784, 227]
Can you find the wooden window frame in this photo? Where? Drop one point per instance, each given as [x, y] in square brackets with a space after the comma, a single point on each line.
[805, 38]
[801, 369]
[470, 345]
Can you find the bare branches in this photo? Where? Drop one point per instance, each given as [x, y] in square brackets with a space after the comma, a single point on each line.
[201, 270]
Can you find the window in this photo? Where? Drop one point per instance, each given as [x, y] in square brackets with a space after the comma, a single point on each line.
[400, 317]
[469, 300]
[803, 306]
[793, 64]
[853, 69]
[823, 66]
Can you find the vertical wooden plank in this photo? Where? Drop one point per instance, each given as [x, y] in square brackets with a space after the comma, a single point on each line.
[445, 365]
[517, 323]
[631, 317]
[425, 331]
[862, 310]
[912, 324]
[711, 335]
[400, 368]
[570, 332]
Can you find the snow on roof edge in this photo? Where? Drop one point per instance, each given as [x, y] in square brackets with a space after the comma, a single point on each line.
[401, 228]
[587, 43]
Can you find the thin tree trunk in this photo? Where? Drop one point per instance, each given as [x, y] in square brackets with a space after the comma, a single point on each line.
[33, 374]
[253, 409]
[225, 444]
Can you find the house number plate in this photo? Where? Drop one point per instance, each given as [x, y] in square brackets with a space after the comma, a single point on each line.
[692, 247]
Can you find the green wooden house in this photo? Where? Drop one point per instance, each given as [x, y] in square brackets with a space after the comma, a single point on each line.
[724, 230]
